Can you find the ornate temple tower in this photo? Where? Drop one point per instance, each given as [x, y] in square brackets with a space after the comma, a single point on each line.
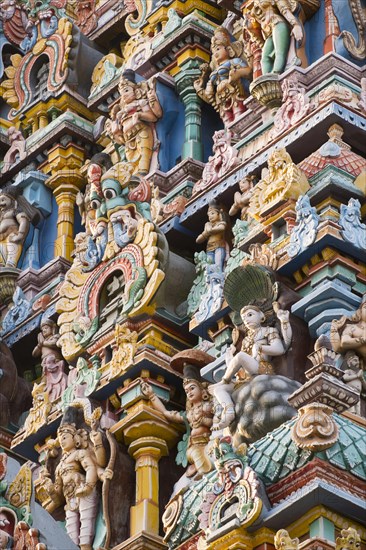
[182, 274]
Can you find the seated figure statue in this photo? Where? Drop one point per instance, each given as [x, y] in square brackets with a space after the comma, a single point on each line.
[260, 344]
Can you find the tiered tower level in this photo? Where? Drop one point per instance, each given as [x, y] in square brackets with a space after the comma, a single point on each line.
[182, 274]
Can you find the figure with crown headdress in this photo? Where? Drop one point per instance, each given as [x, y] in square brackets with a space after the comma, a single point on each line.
[197, 416]
[132, 120]
[83, 462]
[221, 82]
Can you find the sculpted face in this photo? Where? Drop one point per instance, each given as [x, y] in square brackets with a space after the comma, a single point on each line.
[127, 93]
[46, 330]
[219, 53]
[50, 364]
[66, 441]
[112, 192]
[252, 318]
[5, 202]
[193, 392]
[213, 214]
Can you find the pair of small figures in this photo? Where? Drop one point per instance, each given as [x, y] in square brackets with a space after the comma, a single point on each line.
[272, 38]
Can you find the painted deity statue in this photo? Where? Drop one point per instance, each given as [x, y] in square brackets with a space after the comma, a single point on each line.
[223, 159]
[220, 83]
[349, 333]
[199, 414]
[305, 231]
[278, 21]
[16, 215]
[17, 150]
[132, 121]
[259, 345]
[82, 464]
[353, 230]
[56, 379]
[215, 234]
[242, 197]
[47, 341]
[354, 378]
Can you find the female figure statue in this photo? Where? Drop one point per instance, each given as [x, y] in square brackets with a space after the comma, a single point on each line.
[47, 341]
[16, 214]
[198, 416]
[132, 120]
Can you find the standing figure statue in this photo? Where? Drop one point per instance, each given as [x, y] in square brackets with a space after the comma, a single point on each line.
[82, 464]
[278, 21]
[16, 215]
[216, 234]
[242, 197]
[259, 345]
[132, 121]
[220, 83]
[198, 414]
[47, 341]
[354, 378]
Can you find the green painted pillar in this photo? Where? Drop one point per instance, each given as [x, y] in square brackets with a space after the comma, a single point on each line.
[193, 147]
[323, 528]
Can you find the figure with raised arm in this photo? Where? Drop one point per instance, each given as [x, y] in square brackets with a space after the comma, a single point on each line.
[259, 345]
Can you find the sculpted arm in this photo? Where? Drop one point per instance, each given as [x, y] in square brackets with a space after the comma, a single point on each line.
[285, 10]
[273, 349]
[23, 221]
[348, 341]
[38, 349]
[154, 103]
[91, 476]
[174, 416]
[283, 316]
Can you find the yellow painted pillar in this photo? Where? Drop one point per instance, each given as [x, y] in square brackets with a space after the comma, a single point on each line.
[65, 195]
[66, 181]
[43, 120]
[147, 452]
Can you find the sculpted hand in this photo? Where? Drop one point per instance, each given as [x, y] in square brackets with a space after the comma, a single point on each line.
[297, 33]
[107, 474]
[84, 490]
[15, 237]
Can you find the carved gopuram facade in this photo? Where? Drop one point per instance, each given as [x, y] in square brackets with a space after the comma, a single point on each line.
[182, 275]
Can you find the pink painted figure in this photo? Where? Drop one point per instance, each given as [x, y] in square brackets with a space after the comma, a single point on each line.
[224, 158]
[17, 148]
[56, 379]
[295, 106]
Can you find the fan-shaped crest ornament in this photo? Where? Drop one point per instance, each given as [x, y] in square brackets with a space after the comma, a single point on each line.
[250, 285]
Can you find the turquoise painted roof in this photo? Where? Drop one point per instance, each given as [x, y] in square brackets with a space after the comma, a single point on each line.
[275, 456]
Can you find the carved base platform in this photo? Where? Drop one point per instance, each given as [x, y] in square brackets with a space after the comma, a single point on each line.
[327, 390]
[267, 91]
